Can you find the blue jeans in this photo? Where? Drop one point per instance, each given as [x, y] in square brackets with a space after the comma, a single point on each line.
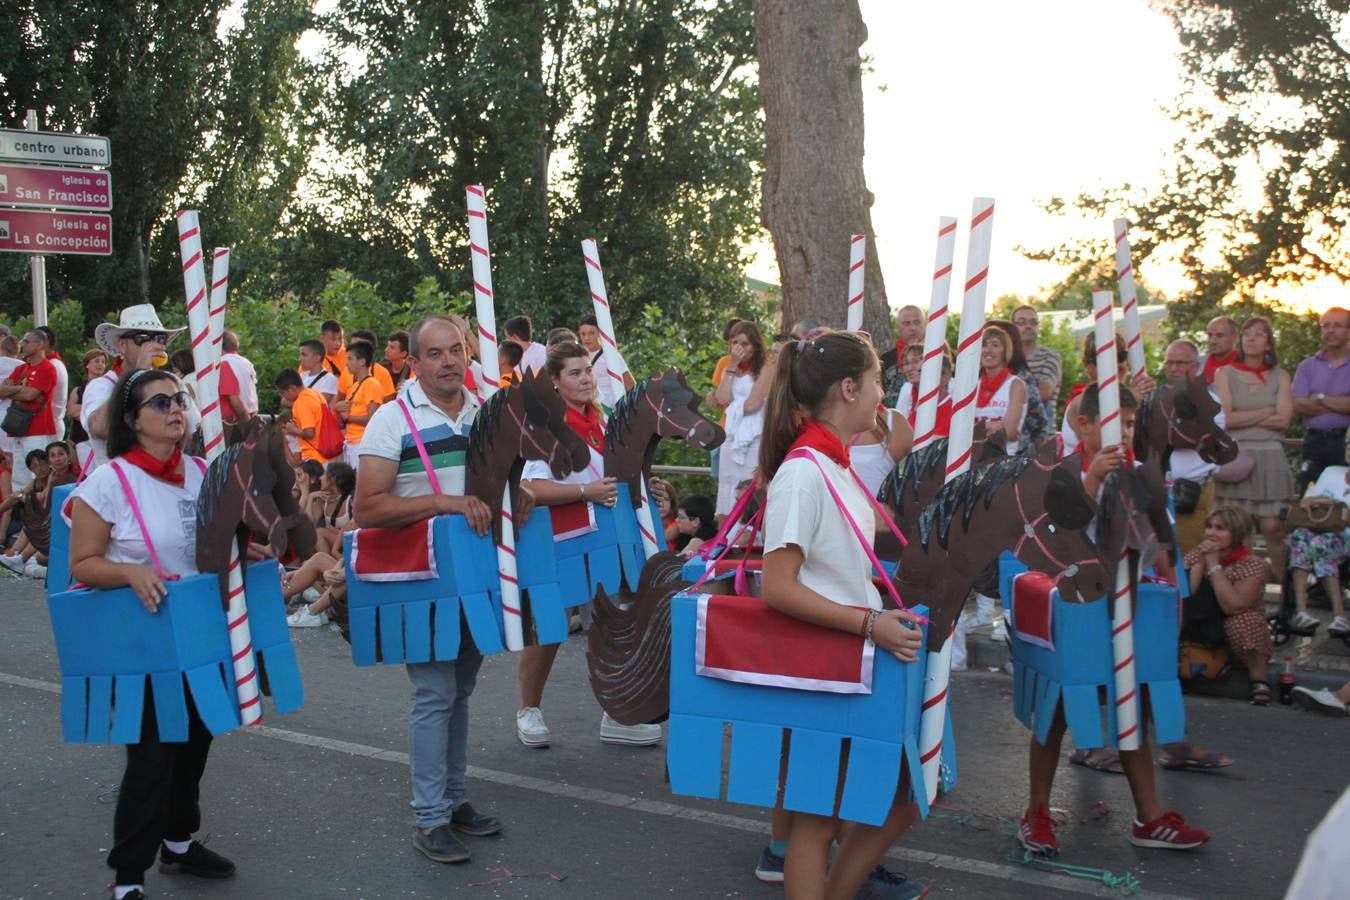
[438, 734]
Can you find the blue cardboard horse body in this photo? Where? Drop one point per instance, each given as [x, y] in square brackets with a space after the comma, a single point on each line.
[399, 622]
[1078, 672]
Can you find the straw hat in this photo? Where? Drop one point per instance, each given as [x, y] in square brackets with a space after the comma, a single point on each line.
[134, 318]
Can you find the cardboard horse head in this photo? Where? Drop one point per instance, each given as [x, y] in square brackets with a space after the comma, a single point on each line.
[247, 489]
[1182, 417]
[1035, 508]
[522, 422]
[660, 407]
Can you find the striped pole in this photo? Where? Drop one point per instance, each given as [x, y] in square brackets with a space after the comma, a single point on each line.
[1129, 299]
[220, 281]
[198, 312]
[486, 314]
[617, 368]
[857, 277]
[935, 336]
[1122, 614]
[965, 384]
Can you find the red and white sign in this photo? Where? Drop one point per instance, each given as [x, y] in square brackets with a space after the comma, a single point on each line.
[37, 187]
[28, 231]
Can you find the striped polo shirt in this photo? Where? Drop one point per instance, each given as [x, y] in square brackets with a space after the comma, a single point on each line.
[446, 440]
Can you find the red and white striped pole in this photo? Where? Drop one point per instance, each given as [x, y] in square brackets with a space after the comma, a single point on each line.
[199, 327]
[1129, 299]
[220, 280]
[965, 383]
[617, 368]
[1122, 612]
[485, 311]
[935, 336]
[857, 278]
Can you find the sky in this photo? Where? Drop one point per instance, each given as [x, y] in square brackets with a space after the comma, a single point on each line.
[1018, 101]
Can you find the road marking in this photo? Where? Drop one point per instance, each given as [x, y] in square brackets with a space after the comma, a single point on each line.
[660, 808]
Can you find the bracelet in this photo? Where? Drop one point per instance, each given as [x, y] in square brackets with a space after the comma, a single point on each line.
[867, 615]
[872, 615]
[1212, 569]
[581, 489]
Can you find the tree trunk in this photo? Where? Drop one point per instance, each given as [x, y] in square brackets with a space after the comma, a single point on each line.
[815, 194]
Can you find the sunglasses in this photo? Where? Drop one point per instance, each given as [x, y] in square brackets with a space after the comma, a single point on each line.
[161, 403]
[141, 338]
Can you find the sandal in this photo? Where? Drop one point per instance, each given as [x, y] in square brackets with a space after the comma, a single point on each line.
[1190, 759]
[1108, 762]
[1260, 693]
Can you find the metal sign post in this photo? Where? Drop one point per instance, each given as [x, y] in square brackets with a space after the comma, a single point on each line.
[37, 263]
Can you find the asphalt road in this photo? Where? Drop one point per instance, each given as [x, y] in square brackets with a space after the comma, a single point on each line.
[315, 803]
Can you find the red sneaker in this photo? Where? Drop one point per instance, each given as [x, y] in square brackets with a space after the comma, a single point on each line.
[1037, 833]
[1168, 832]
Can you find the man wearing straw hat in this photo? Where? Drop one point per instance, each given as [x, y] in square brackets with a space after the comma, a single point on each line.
[138, 340]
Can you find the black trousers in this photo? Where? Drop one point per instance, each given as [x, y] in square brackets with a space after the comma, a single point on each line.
[1320, 449]
[158, 797]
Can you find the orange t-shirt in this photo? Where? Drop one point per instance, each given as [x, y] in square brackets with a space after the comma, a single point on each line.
[345, 380]
[717, 379]
[386, 383]
[367, 392]
[307, 412]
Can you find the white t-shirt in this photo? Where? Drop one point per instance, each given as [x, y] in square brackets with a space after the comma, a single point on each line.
[801, 511]
[325, 382]
[247, 377]
[538, 469]
[1332, 484]
[96, 393]
[610, 390]
[446, 441]
[60, 396]
[534, 358]
[169, 511]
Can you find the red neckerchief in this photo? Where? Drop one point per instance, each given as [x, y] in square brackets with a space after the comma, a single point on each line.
[1214, 363]
[587, 424]
[117, 367]
[1259, 371]
[1076, 390]
[1240, 553]
[899, 350]
[816, 436]
[469, 381]
[989, 386]
[163, 469]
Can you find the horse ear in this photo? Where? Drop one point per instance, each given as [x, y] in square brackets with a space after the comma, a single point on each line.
[1067, 504]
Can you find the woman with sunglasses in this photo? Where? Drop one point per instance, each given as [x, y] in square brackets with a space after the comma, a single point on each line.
[114, 544]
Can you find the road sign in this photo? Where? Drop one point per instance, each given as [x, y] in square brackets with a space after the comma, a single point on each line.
[39, 187]
[53, 147]
[83, 234]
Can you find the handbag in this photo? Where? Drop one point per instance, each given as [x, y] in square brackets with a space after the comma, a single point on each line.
[1238, 470]
[1320, 515]
[18, 419]
[1185, 495]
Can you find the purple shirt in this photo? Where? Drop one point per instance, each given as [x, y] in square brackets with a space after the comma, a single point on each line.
[1315, 376]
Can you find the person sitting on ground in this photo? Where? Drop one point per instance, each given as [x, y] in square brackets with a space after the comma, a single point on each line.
[23, 557]
[695, 524]
[1226, 605]
[308, 480]
[1324, 700]
[321, 569]
[331, 506]
[667, 503]
[1321, 553]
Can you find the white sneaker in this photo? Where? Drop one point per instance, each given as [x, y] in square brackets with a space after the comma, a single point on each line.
[530, 727]
[984, 610]
[1339, 627]
[1320, 700]
[1303, 619]
[35, 569]
[611, 732]
[303, 618]
[12, 562]
[310, 595]
[1000, 632]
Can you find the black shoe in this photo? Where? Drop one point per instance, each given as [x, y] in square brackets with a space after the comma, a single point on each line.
[466, 820]
[196, 861]
[439, 845]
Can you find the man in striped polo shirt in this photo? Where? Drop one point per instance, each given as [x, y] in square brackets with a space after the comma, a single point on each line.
[393, 489]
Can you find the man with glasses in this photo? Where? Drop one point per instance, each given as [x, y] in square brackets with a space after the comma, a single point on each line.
[1181, 361]
[1043, 362]
[138, 341]
[31, 386]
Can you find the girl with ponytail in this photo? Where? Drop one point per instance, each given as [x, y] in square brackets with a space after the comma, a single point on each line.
[824, 392]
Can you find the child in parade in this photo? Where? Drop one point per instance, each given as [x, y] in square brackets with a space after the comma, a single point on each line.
[134, 525]
[824, 392]
[1153, 826]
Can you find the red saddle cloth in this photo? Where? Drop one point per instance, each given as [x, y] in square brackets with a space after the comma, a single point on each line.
[394, 554]
[741, 639]
[572, 519]
[1033, 608]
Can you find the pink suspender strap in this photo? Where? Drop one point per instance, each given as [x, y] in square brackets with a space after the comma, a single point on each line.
[802, 452]
[737, 509]
[84, 469]
[421, 448]
[753, 525]
[140, 520]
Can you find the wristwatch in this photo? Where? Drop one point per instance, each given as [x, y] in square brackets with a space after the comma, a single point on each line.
[1321, 397]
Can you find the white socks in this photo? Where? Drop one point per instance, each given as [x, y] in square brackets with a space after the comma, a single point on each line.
[179, 847]
[121, 890]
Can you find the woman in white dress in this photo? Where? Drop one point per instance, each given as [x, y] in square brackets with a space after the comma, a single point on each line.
[742, 392]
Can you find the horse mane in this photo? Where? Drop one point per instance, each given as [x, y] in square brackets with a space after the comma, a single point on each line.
[213, 484]
[964, 493]
[622, 416]
[485, 425]
[906, 477]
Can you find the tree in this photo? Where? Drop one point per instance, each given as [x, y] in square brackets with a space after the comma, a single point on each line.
[815, 195]
[1256, 191]
[158, 81]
